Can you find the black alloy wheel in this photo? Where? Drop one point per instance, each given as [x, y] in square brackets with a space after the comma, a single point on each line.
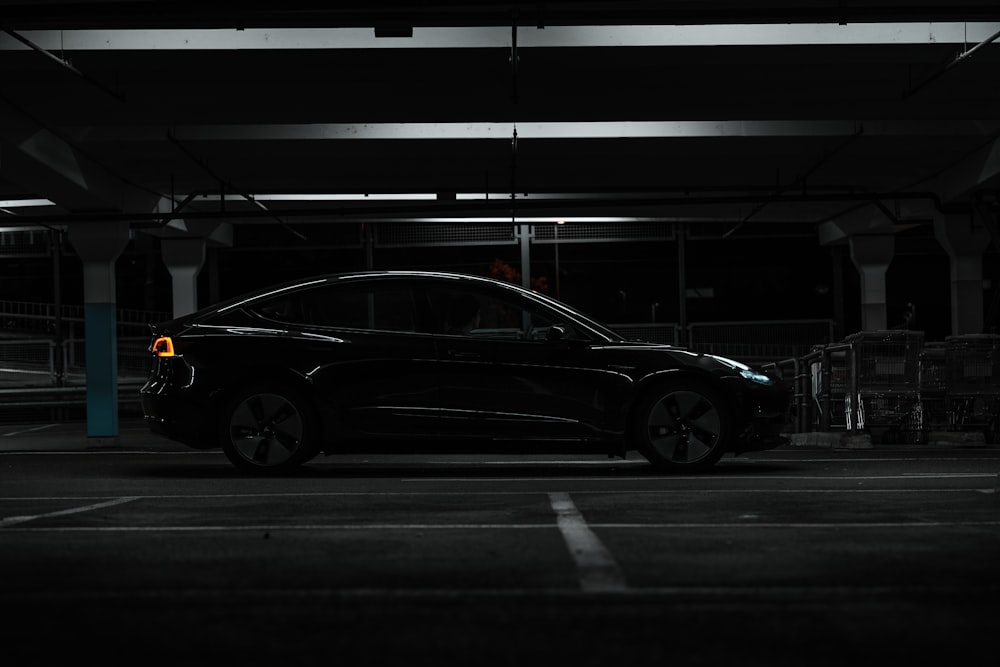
[684, 426]
[269, 430]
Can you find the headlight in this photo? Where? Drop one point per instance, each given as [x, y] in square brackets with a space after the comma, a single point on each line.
[754, 376]
[745, 371]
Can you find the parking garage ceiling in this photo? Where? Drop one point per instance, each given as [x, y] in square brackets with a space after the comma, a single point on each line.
[778, 116]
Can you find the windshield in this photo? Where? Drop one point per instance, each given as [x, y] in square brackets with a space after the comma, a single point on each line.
[577, 316]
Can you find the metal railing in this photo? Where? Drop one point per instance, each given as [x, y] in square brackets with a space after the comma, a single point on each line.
[754, 342]
[896, 387]
[25, 318]
[650, 332]
[32, 362]
[759, 341]
[32, 383]
[815, 392]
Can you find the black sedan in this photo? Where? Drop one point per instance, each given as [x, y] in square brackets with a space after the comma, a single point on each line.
[431, 362]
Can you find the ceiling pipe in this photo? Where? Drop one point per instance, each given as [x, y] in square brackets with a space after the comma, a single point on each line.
[957, 60]
[224, 184]
[67, 64]
[800, 180]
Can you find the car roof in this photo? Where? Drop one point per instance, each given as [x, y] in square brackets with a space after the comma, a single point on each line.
[293, 285]
[349, 276]
[262, 292]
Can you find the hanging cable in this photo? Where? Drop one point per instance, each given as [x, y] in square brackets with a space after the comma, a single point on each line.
[513, 63]
[954, 62]
[801, 180]
[67, 64]
[513, 140]
[223, 184]
[513, 175]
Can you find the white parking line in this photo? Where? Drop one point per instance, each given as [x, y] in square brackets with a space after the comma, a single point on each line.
[773, 594]
[526, 492]
[29, 430]
[597, 568]
[13, 520]
[688, 478]
[594, 546]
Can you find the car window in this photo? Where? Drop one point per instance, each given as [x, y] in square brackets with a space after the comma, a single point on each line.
[486, 314]
[374, 307]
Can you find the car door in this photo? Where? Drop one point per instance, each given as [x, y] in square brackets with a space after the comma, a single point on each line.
[364, 350]
[501, 377]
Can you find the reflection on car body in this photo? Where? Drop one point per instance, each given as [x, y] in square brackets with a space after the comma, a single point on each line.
[424, 361]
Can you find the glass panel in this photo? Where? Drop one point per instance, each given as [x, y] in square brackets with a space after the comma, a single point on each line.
[484, 314]
[376, 307]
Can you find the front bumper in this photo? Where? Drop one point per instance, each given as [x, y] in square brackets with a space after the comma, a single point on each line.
[762, 435]
[767, 411]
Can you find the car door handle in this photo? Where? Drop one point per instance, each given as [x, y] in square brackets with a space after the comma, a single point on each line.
[459, 354]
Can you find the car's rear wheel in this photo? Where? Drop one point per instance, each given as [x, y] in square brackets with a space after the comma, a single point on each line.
[269, 430]
[683, 426]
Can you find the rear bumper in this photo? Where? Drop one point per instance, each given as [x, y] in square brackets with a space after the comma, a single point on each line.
[170, 415]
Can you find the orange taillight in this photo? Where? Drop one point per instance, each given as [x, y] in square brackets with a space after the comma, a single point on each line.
[163, 347]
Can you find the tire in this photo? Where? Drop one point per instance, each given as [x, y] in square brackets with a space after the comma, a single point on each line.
[684, 426]
[269, 430]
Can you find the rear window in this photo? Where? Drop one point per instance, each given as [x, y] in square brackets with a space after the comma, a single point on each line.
[374, 307]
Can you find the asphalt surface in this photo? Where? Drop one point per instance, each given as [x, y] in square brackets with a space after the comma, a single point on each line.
[141, 551]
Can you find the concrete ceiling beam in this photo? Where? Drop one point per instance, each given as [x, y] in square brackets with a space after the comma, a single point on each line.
[980, 169]
[38, 160]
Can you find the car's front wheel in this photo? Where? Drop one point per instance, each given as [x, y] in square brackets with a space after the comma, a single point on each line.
[269, 430]
[683, 426]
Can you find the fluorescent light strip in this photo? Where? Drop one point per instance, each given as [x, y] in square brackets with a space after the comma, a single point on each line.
[504, 130]
[394, 196]
[24, 203]
[555, 130]
[472, 37]
[418, 196]
[524, 220]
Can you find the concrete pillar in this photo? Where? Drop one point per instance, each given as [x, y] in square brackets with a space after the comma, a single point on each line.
[184, 259]
[99, 246]
[965, 244]
[524, 238]
[871, 255]
[184, 250]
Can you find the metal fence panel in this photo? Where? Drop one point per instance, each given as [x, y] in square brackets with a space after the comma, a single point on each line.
[770, 340]
[887, 360]
[973, 364]
[28, 362]
[649, 332]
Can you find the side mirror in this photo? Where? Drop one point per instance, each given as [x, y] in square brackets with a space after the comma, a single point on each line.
[556, 333]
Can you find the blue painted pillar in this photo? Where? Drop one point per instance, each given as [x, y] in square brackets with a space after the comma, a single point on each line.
[99, 245]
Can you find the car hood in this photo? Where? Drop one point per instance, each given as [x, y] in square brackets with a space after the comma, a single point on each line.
[642, 354]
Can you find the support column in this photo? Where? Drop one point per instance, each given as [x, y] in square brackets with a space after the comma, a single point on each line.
[524, 238]
[871, 255]
[99, 246]
[184, 259]
[680, 229]
[965, 244]
[837, 269]
[184, 248]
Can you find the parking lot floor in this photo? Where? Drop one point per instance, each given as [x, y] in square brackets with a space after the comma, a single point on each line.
[133, 433]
